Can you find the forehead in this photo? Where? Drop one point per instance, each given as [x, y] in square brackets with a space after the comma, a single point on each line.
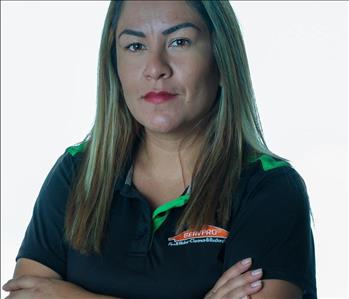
[155, 14]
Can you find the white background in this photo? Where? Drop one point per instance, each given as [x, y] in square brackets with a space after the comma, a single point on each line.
[299, 65]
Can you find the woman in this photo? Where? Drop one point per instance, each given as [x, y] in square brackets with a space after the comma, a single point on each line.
[173, 193]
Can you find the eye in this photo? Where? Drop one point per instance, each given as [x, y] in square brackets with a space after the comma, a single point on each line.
[131, 45]
[183, 42]
[136, 47]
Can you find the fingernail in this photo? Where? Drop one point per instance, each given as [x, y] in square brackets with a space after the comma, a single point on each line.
[256, 284]
[256, 272]
[245, 297]
[246, 261]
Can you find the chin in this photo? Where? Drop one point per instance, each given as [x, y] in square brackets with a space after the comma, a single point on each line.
[162, 125]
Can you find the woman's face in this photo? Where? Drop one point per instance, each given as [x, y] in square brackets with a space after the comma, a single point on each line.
[157, 59]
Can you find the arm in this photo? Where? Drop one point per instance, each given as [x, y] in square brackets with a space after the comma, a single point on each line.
[30, 267]
[274, 228]
[43, 242]
[276, 289]
[236, 283]
[35, 280]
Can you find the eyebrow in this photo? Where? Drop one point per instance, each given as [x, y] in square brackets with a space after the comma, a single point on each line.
[165, 32]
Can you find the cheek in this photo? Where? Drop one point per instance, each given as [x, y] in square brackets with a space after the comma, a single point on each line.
[130, 85]
[202, 88]
[198, 72]
[200, 83]
[124, 75]
[124, 71]
[129, 88]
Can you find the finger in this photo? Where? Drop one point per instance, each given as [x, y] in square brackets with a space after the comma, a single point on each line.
[20, 294]
[245, 284]
[244, 279]
[234, 271]
[244, 291]
[22, 282]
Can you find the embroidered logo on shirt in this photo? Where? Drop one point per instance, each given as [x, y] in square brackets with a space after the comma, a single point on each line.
[212, 234]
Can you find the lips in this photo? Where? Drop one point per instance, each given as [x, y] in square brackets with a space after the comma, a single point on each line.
[159, 97]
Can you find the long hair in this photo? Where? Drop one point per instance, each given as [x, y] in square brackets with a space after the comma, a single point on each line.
[232, 136]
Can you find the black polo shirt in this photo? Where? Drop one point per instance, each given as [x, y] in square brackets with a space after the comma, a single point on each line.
[143, 258]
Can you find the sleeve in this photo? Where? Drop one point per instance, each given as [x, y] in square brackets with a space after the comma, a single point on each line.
[274, 229]
[43, 240]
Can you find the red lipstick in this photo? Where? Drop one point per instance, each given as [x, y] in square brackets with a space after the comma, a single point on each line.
[158, 97]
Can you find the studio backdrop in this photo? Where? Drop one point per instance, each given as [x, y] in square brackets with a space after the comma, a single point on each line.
[297, 52]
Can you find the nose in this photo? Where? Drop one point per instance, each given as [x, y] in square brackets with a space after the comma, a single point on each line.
[157, 66]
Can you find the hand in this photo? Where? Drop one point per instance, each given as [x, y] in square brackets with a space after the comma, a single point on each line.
[235, 283]
[34, 287]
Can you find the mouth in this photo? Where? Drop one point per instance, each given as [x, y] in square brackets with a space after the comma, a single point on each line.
[157, 98]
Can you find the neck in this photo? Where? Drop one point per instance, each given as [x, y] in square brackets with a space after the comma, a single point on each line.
[163, 156]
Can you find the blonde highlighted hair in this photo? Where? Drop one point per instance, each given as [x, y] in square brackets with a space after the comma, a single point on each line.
[232, 135]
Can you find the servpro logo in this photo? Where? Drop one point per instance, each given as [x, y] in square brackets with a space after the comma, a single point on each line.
[212, 234]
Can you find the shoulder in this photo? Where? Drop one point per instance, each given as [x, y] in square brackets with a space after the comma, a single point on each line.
[269, 181]
[266, 166]
[76, 150]
[69, 161]
[266, 171]
[59, 181]
[75, 153]
[272, 225]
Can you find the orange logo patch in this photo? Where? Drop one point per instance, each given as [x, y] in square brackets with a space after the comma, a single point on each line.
[212, 234]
